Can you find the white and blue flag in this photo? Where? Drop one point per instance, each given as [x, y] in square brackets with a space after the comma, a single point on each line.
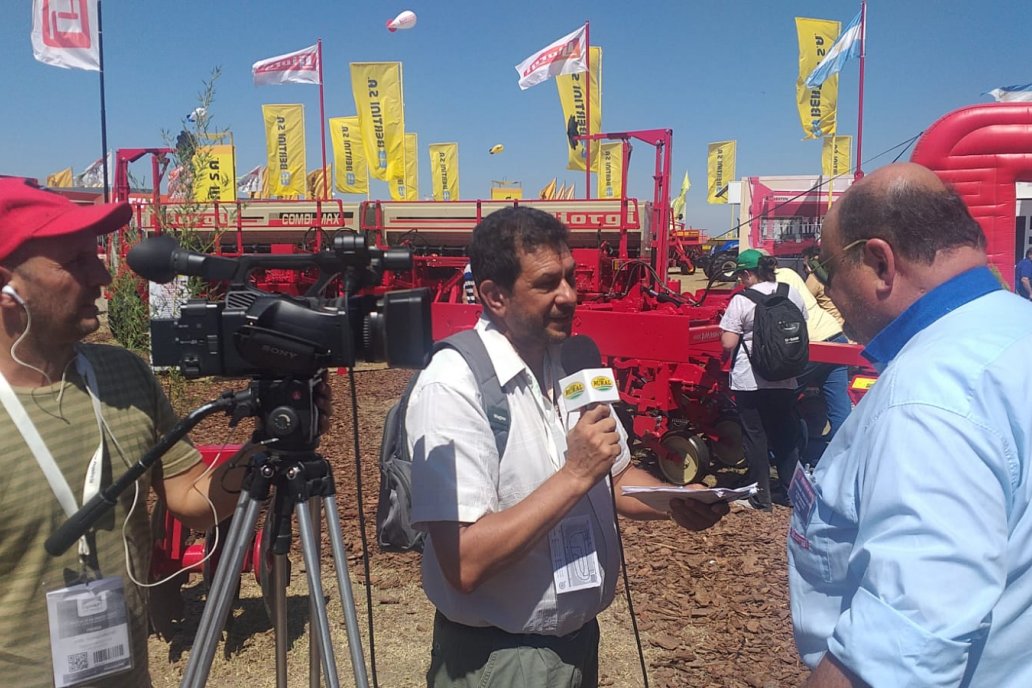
[1020, 93]
[847, 46]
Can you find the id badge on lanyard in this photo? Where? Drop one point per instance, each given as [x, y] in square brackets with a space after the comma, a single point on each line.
[89, 631]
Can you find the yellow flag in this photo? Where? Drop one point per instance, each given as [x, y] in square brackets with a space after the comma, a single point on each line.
[835, 159]
[406, 187]
[572, 95]
[266, 191]
[380, 104]
[677, 206]
[214, 170]
[60, 179]
[349, 161]
[285, 143]
[610, 169]
[548, 190]
[444, 171]
[817, 105]
[720, 167]
[315, 182]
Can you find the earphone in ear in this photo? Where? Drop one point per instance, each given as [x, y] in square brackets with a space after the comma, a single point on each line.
[10, 291]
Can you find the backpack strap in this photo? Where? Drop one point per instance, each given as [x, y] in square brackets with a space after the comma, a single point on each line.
[759, 299]
[782, 290]
[496, 406]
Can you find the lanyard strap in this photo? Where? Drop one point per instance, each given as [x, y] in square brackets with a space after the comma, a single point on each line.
[58, 484]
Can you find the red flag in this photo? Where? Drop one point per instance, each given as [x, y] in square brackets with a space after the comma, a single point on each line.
[64, 33]
[301, 67]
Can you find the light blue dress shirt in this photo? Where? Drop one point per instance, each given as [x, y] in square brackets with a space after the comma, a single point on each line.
[910, 550]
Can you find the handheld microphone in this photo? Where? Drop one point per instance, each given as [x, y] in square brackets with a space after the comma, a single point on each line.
[587, 381]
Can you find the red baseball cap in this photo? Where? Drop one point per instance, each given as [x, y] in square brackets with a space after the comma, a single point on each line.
[29, 212]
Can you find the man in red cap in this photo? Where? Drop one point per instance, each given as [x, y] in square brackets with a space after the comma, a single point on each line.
[76, 416]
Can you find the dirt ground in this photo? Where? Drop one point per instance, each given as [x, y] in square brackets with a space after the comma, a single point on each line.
[711, 608]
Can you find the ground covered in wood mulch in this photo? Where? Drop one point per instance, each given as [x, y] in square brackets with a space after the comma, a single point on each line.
[711, 609]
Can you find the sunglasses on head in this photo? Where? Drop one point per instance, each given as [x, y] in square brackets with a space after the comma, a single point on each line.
[822, 270]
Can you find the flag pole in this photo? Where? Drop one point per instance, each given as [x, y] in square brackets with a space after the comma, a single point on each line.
[859, 174]
[103, 107]
[587, 112]
[322, 127]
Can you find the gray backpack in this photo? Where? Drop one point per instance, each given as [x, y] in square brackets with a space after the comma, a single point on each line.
[394, 529]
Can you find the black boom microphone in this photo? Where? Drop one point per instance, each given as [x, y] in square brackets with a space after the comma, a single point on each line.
[159, 259]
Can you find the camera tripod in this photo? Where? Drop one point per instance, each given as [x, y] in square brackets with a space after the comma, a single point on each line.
[303, 484]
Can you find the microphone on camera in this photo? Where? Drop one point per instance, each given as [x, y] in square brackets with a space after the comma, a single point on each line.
[159, 259]
[587, 382]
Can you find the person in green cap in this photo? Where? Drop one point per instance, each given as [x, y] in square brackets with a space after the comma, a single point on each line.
[764, 406]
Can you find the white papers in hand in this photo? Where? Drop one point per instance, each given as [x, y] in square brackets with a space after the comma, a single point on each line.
[658, 497]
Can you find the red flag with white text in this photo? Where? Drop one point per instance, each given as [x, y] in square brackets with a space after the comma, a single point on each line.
[64, 33]
[301, 67]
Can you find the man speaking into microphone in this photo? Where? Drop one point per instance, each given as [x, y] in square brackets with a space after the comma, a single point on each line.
[523, 551]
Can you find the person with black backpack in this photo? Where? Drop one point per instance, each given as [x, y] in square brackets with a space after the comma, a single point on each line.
[511, 485]
[764, 330]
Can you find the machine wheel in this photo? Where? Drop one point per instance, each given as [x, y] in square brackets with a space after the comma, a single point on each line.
[727, 449]
[687, 268]
[693, 458]
[723, 266]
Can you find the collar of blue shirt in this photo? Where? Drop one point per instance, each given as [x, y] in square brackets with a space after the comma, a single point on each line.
[948, 296]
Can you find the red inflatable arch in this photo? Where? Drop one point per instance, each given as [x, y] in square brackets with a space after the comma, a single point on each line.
[982, 150]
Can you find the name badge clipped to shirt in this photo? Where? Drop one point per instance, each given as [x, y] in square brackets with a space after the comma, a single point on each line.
[574, 557]
[89, 631]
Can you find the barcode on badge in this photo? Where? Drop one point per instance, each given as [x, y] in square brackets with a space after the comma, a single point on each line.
[78, 662]
[108, 654]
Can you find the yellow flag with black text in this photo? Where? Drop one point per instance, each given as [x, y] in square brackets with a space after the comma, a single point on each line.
[720, 170]
[573, 96]
[379, 101]
[444, 171]
[406, 187]
[610, 169]
[818, 105]
[350, 174]
[285, 145]
[835, 155]
[214, 174]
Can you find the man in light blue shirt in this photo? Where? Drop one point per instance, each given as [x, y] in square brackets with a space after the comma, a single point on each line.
[910, 548]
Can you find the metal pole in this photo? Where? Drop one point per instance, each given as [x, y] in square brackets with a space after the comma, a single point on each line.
[322, 126]
[587, 112]
[103, 107]
[859, 174]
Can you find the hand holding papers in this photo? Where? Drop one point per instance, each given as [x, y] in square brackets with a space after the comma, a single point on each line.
[658, 497]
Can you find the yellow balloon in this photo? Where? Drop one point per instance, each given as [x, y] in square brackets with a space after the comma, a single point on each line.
[497, 148]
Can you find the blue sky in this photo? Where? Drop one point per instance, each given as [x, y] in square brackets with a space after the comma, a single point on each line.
[708, 70]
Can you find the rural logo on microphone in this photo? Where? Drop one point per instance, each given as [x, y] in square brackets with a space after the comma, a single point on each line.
[602, 383]
[573, 390]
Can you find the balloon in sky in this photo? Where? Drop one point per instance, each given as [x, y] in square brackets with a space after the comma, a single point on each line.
[497, 148]
[405, 20]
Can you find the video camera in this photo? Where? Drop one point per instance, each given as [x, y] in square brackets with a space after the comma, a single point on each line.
[257, 333]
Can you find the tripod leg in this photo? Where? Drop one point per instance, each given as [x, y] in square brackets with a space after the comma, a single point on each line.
[221, 594]
[279, 616]
[319, 623]
[313, 648]
[347, 598]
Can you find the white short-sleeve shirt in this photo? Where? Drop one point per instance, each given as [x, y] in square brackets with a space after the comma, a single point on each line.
[458, 476]
[738, 318]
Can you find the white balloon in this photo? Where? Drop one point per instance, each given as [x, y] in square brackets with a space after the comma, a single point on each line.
[405, 20]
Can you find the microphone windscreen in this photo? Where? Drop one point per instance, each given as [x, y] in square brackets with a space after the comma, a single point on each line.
[578, 353]
[152, 258]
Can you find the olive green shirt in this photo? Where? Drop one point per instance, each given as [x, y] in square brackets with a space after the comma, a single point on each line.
[137, 413]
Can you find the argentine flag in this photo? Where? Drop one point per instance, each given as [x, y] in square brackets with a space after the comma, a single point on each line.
[847, 46]
[1021, 93]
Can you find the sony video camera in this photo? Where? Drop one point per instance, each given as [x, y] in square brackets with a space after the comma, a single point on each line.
[256, 333]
